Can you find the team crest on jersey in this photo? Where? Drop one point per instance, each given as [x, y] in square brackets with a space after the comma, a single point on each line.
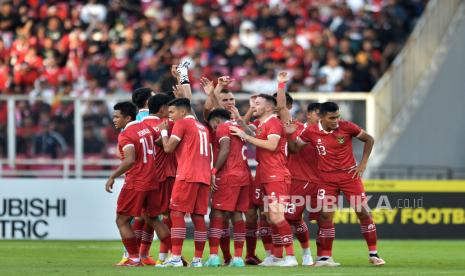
[259, 131]
[340, 139]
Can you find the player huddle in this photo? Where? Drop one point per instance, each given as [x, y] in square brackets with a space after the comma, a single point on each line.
[175, 165]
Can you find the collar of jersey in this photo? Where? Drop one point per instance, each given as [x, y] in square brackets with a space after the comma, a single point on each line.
[320, 127]
[189, 117]
[130, 124]
[151, 117]
[266, 120]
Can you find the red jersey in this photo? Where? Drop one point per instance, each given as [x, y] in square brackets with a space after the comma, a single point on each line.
[303, 165]
[334, 147]
[193, 151]
[140, 176]
[235, 170]
[272, 164]
[165, 163]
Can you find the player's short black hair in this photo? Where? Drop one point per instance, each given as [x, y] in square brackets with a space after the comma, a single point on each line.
[268, 98]
[328, 107]
[140, 96]
[219, 113]
[127, 109]
[313, 107]
[181, 102]
[225, 91]
[157, 101]
[289, 99]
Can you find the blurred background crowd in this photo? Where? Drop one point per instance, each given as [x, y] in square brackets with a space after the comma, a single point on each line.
[101, 48]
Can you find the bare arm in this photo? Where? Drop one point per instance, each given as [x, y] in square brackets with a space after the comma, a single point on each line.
[237, 116]
[126, 164]
[284, 113]
[270, 144]
[223, 81]
[367, 148]
[225, 144]
[169, 142]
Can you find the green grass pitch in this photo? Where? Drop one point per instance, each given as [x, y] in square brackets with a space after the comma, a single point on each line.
[403, 257]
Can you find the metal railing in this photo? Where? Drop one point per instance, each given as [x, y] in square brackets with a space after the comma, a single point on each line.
[397, 85]
[77, 166]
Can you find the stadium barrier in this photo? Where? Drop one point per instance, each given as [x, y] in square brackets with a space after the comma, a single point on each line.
[78, 209]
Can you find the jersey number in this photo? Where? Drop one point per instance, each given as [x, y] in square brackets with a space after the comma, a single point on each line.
[146, 147]
[203, 143]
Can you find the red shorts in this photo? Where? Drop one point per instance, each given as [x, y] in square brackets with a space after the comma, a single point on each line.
[277, 190]
[353, 190]
[166, 187]
[190, 197]
[303, 196]
[231, 198]
[255, 195]
[132, 202]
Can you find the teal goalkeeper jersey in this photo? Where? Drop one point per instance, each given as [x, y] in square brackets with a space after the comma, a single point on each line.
[142, 114]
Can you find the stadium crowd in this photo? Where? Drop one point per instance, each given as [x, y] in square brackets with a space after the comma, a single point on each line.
[102, 48]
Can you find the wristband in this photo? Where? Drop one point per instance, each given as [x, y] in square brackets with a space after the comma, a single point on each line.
[164, 133]
[282, 85]
[214, 171]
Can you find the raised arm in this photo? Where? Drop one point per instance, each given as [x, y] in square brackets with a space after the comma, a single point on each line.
[284, 113]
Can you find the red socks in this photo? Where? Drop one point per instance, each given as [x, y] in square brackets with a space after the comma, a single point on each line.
[285, 233]
[216, 230]
[137, 226]
[178, 232]
[251, 238]
[301, 232]
[265, 233]
[132, 247]
[165, 244]
[239, 237]
[326, 236]
[368, 229]
[225, 241]
[200, 234]
[146, 241]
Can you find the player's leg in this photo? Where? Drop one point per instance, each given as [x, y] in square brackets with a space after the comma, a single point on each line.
[166, 188]
[225, 241]
[216, 230]
[181, 203]
[129, 240]
[294, 216]
[278, 198]
[165, 247]
[241, 205]
[200, 209]
[137, 225]
[355, 194]
[130, 204]
[152, 207]
[251, 226]
[327, 198]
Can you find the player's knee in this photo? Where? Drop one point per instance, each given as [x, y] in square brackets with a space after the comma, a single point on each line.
[276, 217]
[251, 216]
[326, 216]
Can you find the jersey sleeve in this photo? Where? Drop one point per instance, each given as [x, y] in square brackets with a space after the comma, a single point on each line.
[124, 141]
[299, 130]
[178, 130]
[353, 129]
[304, 136]
[222, 132]
[275, 128]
